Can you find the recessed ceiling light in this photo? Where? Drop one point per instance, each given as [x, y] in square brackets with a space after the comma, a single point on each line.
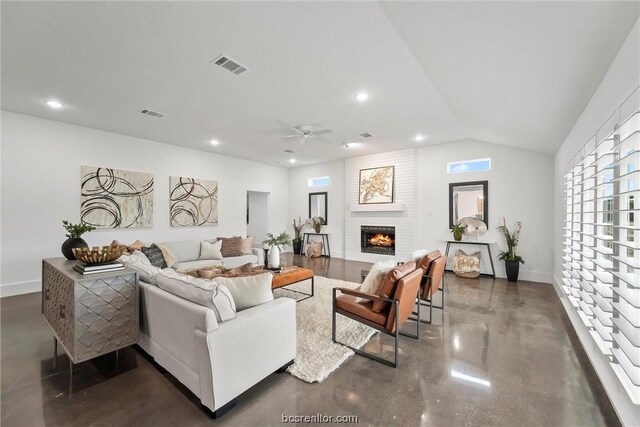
[214, 142]
[351, 144]
[419, 138]
[362, 96]
[53, 104]
[292, 160]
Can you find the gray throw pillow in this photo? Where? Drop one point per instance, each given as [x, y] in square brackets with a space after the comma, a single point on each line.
[154, 254]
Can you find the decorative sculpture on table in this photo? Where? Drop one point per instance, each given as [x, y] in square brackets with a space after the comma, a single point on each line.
[376, 185]
[473, 227]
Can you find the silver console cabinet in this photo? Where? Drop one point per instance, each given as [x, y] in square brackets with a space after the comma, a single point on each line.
[89, 315]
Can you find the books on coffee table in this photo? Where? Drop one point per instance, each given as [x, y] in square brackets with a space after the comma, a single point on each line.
[83, 268]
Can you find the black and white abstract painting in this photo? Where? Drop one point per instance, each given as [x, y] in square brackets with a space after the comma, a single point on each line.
[193, 202]
[113, 198]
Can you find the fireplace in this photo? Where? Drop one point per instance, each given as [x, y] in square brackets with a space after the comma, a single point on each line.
[378, 239]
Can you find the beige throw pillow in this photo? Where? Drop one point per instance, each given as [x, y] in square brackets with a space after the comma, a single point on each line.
[466, 265]
[211, 250]
[314, 249]
[169, 257]
[246, 245]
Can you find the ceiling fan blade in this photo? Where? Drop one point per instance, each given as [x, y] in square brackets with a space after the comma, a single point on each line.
[322, 139]
[288, 126]
[322, 131]
[291, 136]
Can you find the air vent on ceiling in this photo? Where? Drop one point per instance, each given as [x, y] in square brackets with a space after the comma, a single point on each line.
[229, 64]
[366, 135]
[152, 113]
[289, 151]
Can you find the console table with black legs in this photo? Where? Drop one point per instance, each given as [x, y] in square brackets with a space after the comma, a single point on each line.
[326, 250]
[472, 242]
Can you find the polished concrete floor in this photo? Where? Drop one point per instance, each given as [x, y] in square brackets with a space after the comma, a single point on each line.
[501, 354]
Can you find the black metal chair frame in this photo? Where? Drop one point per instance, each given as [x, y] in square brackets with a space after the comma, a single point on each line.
[379, 328]
[429, 302]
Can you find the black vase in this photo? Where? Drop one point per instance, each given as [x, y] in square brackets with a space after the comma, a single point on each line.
[513, 269]
[71, 243]
[297, 247]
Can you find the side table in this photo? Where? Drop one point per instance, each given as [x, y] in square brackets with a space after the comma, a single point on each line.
[89, 315]
[326, 250]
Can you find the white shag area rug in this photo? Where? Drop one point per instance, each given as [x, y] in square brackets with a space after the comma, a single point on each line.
[317, 356]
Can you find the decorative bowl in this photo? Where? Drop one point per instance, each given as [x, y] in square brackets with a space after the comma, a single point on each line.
[98, 255]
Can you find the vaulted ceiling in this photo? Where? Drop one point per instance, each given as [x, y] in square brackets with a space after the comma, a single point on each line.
[512, 73]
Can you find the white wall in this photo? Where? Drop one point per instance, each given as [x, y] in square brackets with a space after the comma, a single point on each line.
[299, 199]
[258, 225]
[41, 162]
[621, 79]
[520, 189]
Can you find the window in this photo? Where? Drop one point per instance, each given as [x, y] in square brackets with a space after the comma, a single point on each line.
[319, 181]
[601, 268]
[476, 165]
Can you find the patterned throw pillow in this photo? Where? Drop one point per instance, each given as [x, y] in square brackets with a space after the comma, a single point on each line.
[154, 254]
[231, 246]
[466, 265]
[314, 249]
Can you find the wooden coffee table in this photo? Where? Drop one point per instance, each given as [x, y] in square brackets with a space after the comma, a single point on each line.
[289, 277]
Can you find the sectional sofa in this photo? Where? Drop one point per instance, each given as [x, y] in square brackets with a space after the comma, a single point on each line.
[191, 327]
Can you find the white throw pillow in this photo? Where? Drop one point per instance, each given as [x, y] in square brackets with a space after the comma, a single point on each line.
[418, 254]
[139, 262]
[379, 270]
[211, 250]
[248, 291]
[200, 291]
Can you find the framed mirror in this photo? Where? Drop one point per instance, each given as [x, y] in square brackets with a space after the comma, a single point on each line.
[468, 199]
[318, 205]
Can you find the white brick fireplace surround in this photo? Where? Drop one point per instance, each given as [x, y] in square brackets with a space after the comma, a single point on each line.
[404, 198]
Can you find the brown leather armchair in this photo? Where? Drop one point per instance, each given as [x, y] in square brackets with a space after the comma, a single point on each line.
[362, 307]
[433, 281]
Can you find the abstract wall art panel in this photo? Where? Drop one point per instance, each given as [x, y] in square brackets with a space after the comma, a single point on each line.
[113, 198]
[376, 185]
[193, 202]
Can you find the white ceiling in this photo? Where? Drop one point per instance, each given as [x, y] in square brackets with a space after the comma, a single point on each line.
[513, 73]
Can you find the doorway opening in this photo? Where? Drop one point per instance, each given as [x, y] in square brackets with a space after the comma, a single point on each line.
[258, 215]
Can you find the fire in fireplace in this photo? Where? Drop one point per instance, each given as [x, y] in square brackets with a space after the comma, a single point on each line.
[378, 240]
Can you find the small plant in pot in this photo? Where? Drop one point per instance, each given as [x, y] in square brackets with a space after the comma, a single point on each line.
[511, 259]
[458, 230]
[316, 223]
[74, 239]
[297, 240]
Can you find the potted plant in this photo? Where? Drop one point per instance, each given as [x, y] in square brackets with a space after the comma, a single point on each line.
[457, 231]
[297, 240]
[277, 244]
[74, 231]
[316, 223]
[511, 259]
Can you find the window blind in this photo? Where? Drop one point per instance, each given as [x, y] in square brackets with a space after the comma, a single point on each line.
[601, 251]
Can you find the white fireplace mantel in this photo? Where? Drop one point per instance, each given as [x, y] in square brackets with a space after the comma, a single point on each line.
[381, 207]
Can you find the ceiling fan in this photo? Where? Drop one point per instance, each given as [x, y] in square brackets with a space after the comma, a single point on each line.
[305, 133]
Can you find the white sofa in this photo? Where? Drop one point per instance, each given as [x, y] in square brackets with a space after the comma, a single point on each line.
[187, 254]
[216, 360]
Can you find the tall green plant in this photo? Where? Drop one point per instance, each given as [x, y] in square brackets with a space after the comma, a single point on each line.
[512, 242]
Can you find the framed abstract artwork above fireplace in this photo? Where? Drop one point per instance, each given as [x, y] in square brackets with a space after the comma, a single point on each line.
[376, 185]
